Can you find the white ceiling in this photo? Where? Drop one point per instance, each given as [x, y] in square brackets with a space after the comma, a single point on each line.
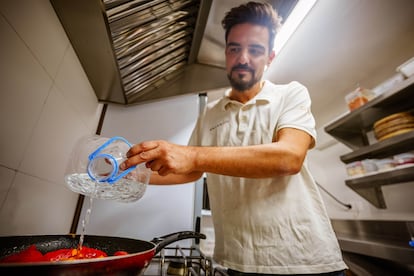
[339, 45]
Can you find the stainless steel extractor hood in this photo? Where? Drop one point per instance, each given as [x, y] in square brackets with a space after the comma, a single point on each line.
[139, 50]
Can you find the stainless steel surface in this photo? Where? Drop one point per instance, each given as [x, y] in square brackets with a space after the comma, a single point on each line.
[360, 265]
[381, 239]
[371, 248]
[135, 51]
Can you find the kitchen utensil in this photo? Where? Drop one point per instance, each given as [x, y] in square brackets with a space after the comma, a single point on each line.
[134, 263]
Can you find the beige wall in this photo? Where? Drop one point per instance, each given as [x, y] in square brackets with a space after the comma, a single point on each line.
[46, 104]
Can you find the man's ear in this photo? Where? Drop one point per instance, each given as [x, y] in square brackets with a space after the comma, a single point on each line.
[270, 59]
[272, 55]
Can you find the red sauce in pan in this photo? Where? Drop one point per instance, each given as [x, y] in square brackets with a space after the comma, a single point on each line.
[32, 254]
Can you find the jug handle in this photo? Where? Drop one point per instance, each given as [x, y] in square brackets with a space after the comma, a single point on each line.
[93, 155]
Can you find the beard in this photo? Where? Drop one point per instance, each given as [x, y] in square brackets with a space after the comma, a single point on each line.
[237, 80]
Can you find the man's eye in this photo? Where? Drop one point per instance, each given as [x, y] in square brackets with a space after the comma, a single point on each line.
[233, 50]
[256, 51]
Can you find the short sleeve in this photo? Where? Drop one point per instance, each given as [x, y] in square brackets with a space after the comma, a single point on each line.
[296, 111]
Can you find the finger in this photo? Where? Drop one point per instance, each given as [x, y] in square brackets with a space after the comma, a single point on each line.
[132, 161]
[154, 166]
[141, 147]
[151, 153]
[163, 171]
[148, 164]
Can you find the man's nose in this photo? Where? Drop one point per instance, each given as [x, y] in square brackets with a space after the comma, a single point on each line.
[243, 57]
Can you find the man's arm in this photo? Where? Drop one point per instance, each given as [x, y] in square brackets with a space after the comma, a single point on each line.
[172, 179]
[284, 156]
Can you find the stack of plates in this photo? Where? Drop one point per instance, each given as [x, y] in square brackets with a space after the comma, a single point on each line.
[393, 125]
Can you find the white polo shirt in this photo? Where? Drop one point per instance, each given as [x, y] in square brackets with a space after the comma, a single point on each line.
[272, 225]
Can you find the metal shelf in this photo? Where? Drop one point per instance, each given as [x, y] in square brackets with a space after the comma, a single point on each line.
[383, 149]
[352, 128]
[369, 186]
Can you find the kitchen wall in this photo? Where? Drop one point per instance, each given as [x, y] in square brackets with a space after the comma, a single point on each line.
[46, 104]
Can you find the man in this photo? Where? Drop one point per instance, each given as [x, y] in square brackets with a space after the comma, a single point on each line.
[268, 215]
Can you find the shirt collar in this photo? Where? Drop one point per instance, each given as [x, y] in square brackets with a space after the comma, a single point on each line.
[262, 97]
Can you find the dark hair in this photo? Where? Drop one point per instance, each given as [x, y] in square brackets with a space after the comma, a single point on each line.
[256, 13]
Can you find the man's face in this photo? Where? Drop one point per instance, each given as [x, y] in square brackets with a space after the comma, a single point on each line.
[247, 55]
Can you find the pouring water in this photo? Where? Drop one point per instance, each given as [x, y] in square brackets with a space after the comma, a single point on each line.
[93, 171]
[86, 219]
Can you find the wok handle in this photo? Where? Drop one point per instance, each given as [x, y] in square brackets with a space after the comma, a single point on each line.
[163, 241]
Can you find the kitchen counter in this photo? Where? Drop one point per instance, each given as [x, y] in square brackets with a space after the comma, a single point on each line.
[381, 239]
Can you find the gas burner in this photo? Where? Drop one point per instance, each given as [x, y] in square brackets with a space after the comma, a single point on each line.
[180, 261]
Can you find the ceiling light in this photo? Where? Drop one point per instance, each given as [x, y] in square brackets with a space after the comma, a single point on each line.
[297, 15]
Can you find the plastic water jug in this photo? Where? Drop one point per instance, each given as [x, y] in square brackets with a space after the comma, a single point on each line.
[93, 170]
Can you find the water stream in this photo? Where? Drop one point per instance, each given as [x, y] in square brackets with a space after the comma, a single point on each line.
[87, 217]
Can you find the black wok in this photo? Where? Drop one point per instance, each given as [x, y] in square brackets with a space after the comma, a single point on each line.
[134, 263]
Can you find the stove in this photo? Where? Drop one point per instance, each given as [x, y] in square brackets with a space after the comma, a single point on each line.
[185, 261]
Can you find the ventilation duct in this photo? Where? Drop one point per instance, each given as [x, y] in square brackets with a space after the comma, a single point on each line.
[142, 50]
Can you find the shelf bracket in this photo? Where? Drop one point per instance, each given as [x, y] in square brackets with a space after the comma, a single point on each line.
[373, 195]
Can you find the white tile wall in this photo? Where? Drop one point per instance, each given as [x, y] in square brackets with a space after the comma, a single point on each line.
[37, 25]
[46, 104]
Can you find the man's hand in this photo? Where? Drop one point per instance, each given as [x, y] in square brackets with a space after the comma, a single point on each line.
[162, 157]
